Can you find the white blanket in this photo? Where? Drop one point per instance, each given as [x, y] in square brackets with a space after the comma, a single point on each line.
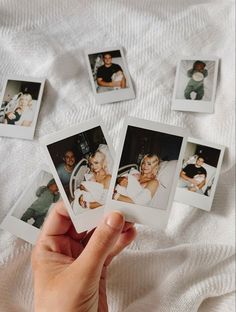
[135, 191]
[190, 266]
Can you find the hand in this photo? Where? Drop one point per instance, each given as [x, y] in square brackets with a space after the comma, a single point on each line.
[82, 187]
[194, 182]
[11, 116]
[69, 268]
[116, 84]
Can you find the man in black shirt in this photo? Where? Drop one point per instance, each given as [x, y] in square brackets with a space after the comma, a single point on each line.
[193, 176]
[110, 76]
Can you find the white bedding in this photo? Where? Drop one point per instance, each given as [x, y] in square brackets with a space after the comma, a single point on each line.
[189, 267]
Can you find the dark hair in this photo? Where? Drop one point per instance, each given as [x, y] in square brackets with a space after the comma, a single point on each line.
[200, 157]
[105, 53]
[68, 150]
[199, 62]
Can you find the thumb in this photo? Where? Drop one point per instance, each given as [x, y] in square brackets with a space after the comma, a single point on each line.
[102, 241]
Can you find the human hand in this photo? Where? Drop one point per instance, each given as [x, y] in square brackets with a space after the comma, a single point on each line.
[11, 116]
[69, 268]
[82, 187]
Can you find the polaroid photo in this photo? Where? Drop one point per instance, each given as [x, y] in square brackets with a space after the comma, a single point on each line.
[20, 104]
[199, 174]
[109, 75]
[195, 85]
[81, 160]
[146, 171]
[27, 216]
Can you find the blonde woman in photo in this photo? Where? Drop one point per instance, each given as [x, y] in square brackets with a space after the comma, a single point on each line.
[139, 187]
[93, 191]
[25, 106]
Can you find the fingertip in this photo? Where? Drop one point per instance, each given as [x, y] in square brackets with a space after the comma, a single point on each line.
[115, 220]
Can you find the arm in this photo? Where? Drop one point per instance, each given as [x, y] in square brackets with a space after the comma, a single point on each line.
[186, 178]
[102, 83]
[190, 72]
[200, 186]
[107, 182]
[152, 186]
[56, 197]
[123, 82]
[125, 199]
[205, 73]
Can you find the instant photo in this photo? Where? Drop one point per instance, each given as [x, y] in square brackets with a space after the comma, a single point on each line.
[199, 174]
[20, 104]
[195, 85]
[81, 159]
[146, 171]
[27, 216]
[109, 75]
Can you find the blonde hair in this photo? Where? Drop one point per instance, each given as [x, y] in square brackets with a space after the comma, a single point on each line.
[28, 97]
[155, 160]
[103, 158]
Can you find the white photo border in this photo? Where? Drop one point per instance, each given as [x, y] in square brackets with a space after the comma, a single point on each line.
[116, 95]
[193, 105]
[18, 227]
[88, 219]
[198, 200]
[153, 217]
[22, 132]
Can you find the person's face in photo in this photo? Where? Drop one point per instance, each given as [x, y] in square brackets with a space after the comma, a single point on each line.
[149, 166]
[199, 162]
[96, 163]
[25, 100]
[199, 67]
[107, 59]
[69, 159]
[53, 188]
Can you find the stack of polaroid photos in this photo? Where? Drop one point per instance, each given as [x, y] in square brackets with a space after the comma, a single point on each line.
[154, 165]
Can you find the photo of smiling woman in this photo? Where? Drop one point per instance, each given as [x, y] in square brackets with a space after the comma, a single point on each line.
[83, 163]
[147, 167]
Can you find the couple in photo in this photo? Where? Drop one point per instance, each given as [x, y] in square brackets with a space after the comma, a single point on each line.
[92, 191]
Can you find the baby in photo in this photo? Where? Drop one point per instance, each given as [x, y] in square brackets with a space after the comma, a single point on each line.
[195, 87]
[109, 75]
[47, 195]
[19, 106]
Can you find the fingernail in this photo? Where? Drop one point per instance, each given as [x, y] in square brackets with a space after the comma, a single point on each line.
[115, 220]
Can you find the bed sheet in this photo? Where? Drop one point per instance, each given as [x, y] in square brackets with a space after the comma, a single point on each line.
[189, 266]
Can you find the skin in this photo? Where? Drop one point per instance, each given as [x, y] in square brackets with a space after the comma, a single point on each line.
[199, 67]
[199, 163]
[24, 102]
[107, 59]
[147, 179]
[69, 160]
[96, 164]
[69, 269]
[53, 188]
